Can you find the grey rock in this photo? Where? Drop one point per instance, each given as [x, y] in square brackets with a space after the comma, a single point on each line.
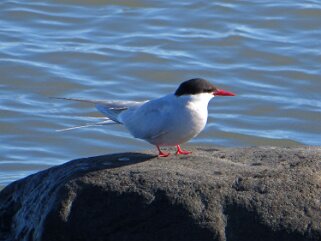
[232, 194]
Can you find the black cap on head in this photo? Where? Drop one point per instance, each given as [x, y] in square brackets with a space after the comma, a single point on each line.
[195, 86]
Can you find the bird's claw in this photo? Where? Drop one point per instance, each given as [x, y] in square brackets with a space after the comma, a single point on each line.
[163, 154]
[182, 152]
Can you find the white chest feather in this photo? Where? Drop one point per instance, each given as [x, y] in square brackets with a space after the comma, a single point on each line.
[193, 116]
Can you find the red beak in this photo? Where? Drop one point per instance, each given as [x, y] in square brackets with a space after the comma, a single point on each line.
[223, 93]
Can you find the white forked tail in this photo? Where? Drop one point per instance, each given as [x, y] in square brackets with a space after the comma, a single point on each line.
[111, 109]
[111, 113]
[105, 122]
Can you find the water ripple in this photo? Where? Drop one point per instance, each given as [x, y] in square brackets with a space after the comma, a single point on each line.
[267, 52]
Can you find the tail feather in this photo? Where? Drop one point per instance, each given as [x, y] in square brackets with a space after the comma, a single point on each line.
[111, 109]
[105, 122]
[108, 108]
[80, 100]
[111, 113]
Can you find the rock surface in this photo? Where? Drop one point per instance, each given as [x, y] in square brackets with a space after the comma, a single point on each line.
[239, 194]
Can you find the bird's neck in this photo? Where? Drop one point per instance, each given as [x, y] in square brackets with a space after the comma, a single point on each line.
[199, 100]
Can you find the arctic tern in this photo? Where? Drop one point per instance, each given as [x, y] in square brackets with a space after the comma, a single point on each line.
[167, 121]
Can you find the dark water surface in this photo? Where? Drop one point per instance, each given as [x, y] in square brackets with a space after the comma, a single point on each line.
[268, 52]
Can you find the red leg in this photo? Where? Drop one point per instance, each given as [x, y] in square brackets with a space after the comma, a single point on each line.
[162, 154]
[182, 152]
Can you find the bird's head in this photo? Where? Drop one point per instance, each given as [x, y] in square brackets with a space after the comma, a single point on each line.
[200, 86]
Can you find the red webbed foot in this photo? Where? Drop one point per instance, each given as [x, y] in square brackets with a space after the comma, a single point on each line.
[182, 152]
[162, 154]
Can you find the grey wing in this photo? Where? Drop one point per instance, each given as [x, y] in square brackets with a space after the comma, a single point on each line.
[147, 121]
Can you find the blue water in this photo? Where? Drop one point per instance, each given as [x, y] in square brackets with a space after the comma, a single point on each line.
[267, 52]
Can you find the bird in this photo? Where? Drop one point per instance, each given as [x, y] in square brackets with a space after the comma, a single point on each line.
[166, 121]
